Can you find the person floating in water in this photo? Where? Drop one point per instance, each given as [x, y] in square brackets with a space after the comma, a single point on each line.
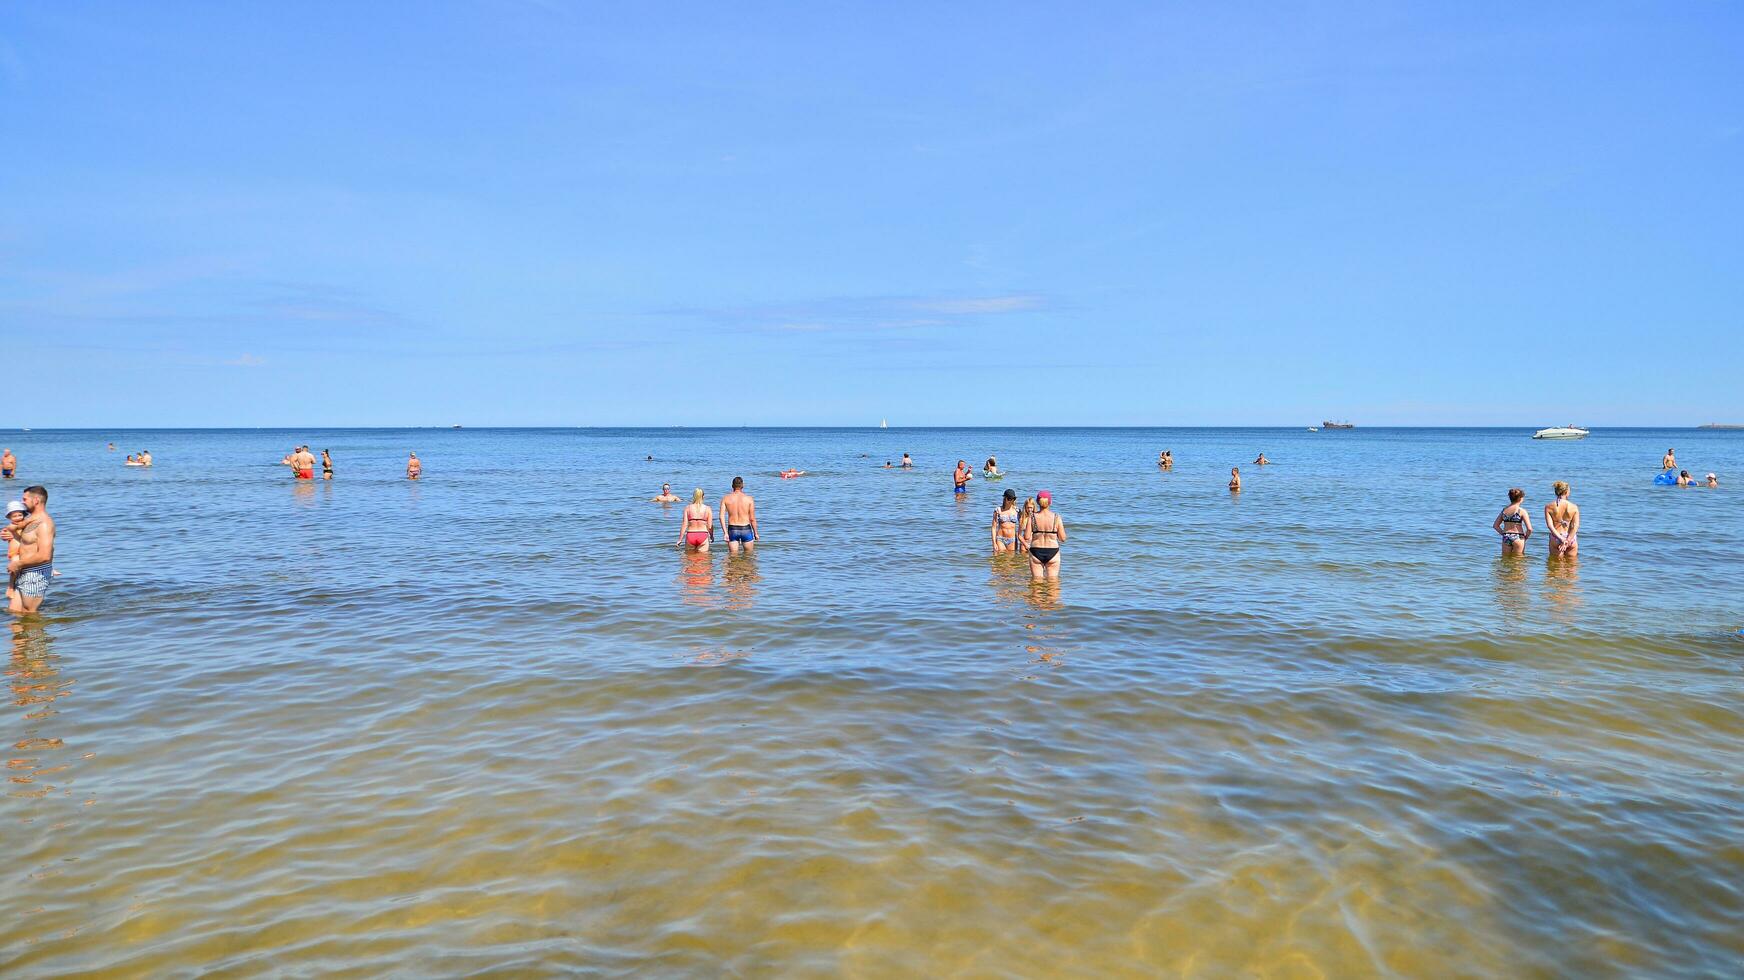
[739, 518]
[414, 468]
[1046, 533]
[1005, 524]
[1669, 460]
[1235, 479]
[1562, 521]
[696, 526]
[991, 469]
[887, 464]
[907, 464]
[665, 496]
[1513, 524]
[1262, 460]
[960, 479]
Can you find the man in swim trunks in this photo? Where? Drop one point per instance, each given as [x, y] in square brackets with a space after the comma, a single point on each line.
[665, 496]
[960, 479]
[1669, 460]
[302, 463]
[32, 569]
[8, 463]
[739, 518]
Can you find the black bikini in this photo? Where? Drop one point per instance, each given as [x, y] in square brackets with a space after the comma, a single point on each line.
[1044, 556]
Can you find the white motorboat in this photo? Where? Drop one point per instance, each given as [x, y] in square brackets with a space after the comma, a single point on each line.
[1561, 432]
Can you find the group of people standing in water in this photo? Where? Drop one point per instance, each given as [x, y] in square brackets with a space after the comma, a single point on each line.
[1668, 462]
[1561, 520]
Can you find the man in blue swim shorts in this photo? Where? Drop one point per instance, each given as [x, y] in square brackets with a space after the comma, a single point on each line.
[32, 568]
[962, 477]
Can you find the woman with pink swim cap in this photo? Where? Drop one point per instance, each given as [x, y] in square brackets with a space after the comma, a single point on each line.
[1044, 533]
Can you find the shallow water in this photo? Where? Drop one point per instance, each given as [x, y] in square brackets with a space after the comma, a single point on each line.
[495, 720]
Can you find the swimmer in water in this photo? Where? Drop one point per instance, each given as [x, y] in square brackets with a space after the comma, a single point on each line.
[326, 465]
[696, 526]
[1513, 524]
[960, 479]
[739, 518]
[1684, 479]
[1046, 533]
[414, 468]
[1262, 461]
[665, 496]
[1005, 520]
[1562, 520]
[907, 464]
[1166, 460]
[1713, 482]
[1235, 479]
[991, 469]
[887, 464]
[790, 474]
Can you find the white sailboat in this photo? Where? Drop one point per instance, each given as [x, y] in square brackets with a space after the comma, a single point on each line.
[884, 423]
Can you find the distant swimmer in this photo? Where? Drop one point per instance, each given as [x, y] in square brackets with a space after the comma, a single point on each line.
[326, 465]
[696, 526]
[665, 496]
[1235, 479]
[145, 457]
[132, 460]
[8, 463]
[650, 459]
[1513, 524]
[1262, 460]
[1005, 522]
[1669, 460]
[907, 464]
[990, 469]
[111, 447]
[1046, 533]
[31, 568]
[739, 518]
[1684, 479]
[960, 479]
[887, 464]
[790, 474]
[1562, 521]
[414, 467]
[1713, 482]
[1166, 459]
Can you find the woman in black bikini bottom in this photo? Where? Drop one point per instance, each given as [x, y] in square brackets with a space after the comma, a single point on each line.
[1046, 532]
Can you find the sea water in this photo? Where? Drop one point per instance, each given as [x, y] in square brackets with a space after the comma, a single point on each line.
[494, 719]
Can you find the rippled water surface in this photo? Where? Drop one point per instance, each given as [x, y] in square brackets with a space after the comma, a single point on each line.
[494, 720]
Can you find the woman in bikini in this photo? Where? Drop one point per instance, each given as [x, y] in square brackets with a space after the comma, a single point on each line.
[1513, 524]
[326, 466]
[1562, 520]
[1005, 524]
[696, 528]
[1046, 533]
[1235, 479]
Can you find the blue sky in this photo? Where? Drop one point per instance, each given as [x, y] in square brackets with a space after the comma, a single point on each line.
[547, 213]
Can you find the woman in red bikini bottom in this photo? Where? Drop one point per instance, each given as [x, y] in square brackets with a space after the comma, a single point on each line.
[697, 527]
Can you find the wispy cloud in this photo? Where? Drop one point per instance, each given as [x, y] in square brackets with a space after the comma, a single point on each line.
[859, 314]
[246, 360]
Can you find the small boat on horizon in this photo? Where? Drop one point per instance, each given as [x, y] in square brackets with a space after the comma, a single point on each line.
[884, 423]
[1561, 432]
